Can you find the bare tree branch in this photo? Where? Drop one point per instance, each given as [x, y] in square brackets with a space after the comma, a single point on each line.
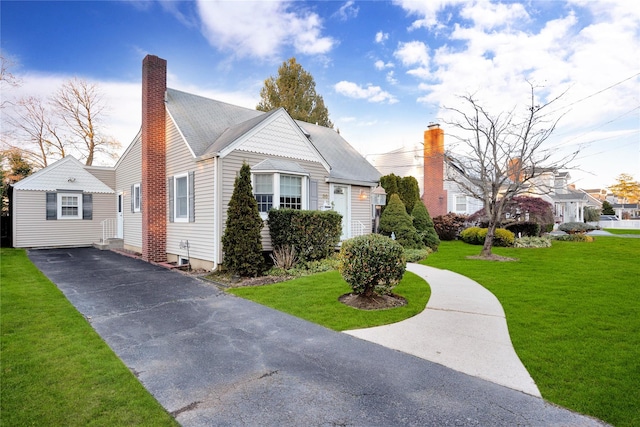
[505, 154]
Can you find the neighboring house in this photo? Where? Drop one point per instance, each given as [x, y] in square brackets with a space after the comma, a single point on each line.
[62, 205]
[441, 194]
[405, 161]
[170, 189]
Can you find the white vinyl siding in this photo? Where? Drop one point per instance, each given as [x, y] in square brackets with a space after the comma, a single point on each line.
[36, 231]
[200, 233]
[129, 173]
[361, 210]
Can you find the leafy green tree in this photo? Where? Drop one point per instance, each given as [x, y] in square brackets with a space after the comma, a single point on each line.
[626, 188]
[242, 242]
[607, 209]
[424, 225]
[295, 90]
[17, 168]
[396, 220]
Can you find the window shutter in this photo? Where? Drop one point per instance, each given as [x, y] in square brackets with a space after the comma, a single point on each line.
[313, 195]
[132, 197]
[87, 206]
[170, 188]
[192, 197]
[52, 206]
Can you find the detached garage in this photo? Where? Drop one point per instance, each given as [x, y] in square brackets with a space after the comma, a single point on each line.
[61, 205]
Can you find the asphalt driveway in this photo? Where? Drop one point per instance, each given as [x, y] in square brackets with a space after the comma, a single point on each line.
[215, 359]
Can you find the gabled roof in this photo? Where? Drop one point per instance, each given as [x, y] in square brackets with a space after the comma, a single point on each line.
[65, 174]
[210, 126]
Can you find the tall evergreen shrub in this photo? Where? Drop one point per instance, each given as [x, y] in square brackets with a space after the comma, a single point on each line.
[396, 220]
[241, 241]
[424, 225]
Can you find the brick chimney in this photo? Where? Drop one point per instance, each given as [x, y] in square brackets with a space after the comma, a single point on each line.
[435, 196]
[154, 191]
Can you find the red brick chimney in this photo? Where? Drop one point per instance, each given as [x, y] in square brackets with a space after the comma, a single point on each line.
[154, 191]
[435, 196]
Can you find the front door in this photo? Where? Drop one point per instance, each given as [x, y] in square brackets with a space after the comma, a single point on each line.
[341, 205]
[120, 219]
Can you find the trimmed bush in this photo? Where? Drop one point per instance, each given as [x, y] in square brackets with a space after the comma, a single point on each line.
[525, 228]
[579, 237]
[416, 255]
[532, 242]
[503, 238]
[449, 226]
[473, 236]
[476, 236]
[396, 220]
[372, 264]
[576, 227]
[313, 234]
[424, 225]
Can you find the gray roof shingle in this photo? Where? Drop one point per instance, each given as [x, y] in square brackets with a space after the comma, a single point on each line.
[209, 126]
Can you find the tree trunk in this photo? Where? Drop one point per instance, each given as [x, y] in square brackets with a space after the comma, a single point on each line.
[488, 240]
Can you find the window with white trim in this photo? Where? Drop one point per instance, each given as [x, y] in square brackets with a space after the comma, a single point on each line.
[290, 192]
[263, 191]
[181, 205]
[136, 197]
[279, 190]
[69, 206]
[461, 203]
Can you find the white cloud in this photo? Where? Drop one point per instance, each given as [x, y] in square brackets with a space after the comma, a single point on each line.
[391, 78]
[413, 53]
[426, 10]
[347, 10]
[381, 65]
[488, 15]
[262, 28]
[370, 93]
[381, 37]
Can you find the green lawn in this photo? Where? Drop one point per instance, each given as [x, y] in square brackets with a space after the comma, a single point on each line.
[56, 370]
[315, 298]
[622, 231]
[573, 312]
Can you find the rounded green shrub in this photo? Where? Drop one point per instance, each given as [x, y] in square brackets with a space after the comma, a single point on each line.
[576, 227]
[476, 236]
[504, 238]
[574, 238]
[372, 264]
[472, 235]
[416, 255]
[424, 225]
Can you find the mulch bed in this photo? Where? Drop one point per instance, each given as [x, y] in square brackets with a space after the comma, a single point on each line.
[377, 302]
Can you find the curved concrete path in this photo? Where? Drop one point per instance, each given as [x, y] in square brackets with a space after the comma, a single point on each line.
[463, 327]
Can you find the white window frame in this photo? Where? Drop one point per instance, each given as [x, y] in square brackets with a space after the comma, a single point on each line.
[177, 218]
[304, 190]
[455, 203]
[78, 197]
[136, 197]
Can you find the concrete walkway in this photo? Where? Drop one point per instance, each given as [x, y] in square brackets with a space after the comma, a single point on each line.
[463, 327]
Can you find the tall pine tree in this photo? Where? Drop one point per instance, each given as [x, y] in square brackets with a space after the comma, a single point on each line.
[295, 90]
[241, 242]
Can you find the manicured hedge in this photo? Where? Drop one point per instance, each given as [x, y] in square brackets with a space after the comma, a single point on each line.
[476, 236]
[313, 234]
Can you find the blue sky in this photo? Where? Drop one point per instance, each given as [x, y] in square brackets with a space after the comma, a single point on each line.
[385, 69]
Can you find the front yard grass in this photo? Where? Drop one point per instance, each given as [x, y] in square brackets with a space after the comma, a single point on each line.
[315, 298]
[622, 230]
[573, 312]
[56, 370]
